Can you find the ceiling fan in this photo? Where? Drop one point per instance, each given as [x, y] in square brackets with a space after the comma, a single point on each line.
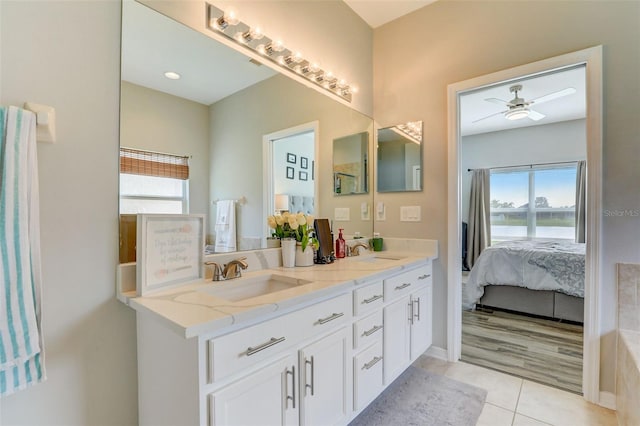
[518, 108]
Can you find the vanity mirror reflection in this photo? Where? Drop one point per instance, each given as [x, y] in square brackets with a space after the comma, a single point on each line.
[399, 158]
[351, 164]
[217, 114]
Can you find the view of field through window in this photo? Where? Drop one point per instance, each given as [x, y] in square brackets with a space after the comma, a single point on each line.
[533, 203]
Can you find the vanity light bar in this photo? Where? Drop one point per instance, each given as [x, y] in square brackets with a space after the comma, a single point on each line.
[229, 25]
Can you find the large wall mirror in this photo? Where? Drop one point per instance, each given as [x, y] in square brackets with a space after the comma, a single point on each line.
[217, 116]
[399, 158]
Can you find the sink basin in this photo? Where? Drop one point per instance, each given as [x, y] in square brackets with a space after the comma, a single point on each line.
[246, 288]
[379, 258]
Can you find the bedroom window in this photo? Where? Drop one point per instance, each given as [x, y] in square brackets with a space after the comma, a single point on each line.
[538, 202]
[152, 182]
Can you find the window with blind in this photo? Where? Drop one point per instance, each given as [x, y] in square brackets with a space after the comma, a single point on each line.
[152, 182]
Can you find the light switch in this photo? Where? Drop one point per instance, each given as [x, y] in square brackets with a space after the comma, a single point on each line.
[410, 214]
[381, 214]
[364, 211]
[341, 214]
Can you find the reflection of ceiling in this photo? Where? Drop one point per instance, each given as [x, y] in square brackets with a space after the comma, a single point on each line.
[473, 105]
[153, 44]
[378, 12]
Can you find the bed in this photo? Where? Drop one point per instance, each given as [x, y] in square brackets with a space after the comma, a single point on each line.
[544, 278]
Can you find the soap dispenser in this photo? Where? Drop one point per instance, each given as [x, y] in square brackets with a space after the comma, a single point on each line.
[340, 245]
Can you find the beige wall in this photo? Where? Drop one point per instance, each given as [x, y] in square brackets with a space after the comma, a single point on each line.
[156, 121]
[451, 41]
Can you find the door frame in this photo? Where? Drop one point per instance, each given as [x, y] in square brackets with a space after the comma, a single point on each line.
[268, 193]
[592, 59]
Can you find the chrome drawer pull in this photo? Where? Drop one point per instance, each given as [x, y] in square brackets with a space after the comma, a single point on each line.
[374, 361]
[372, 299]
[271, 342]
[373, 330]
[330, 318]
[425, 276]
[293, 387]
[417, 310]
[405, 285]
[310, 386]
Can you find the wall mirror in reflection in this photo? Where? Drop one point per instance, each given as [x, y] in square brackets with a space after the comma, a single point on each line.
[399, 161]
[351, 164]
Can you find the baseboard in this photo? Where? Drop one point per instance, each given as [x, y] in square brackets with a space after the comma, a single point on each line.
[607, 400]
[437, 352]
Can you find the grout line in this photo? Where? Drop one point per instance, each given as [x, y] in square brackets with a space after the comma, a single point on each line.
[515, 410]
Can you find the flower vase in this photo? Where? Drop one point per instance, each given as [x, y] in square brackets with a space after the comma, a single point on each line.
[304, 258]
[273, 242]
[288, 252]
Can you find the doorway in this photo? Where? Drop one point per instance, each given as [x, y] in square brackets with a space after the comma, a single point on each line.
[290, 162]
[592, 59]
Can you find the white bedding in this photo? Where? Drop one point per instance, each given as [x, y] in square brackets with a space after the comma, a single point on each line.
[556, 265]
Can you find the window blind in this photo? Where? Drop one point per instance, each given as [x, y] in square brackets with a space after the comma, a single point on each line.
[139, 162]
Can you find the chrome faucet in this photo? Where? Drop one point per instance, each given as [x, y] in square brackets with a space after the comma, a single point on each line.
[355, 249]
[217, 271]
[234, 268]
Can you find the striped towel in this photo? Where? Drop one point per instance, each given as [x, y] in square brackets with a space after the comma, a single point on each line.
[21, 348]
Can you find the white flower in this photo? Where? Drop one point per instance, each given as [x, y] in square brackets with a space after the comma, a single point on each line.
[310, 220]
[271, 221]
[279, 220]
[302, 221]
[293, 222]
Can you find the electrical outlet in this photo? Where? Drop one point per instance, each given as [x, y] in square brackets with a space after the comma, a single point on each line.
[410, 214]
[341, 214]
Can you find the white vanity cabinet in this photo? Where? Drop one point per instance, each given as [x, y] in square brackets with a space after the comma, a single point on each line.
[407, 319]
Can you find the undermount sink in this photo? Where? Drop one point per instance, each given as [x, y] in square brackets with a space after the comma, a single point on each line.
[241, 289]
[379, 258]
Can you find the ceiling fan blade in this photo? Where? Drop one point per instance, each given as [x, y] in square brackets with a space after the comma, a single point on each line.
[554, 95]
[496, 101]
[535, 115]
[489, 116]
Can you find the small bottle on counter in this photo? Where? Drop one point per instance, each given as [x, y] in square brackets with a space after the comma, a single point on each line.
[340, 245]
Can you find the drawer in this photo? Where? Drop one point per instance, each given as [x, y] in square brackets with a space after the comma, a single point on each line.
[367, 372]
[367, 298]
[240, 350]
[406, 282]
[367, 330]
[323, 316]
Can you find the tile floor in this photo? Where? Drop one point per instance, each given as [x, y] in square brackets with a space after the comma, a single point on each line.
[512, 401]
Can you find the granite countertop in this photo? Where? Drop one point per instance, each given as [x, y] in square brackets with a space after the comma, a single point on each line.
[192, 310]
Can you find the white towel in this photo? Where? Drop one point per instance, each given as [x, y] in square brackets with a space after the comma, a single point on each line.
[225, 226]
[21, 344]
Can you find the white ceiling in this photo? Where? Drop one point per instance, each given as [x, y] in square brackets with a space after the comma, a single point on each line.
[379, 12]
[153, 44]
[473, 105]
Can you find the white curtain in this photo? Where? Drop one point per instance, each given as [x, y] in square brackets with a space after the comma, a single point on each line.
[581, 195]
[479, 230]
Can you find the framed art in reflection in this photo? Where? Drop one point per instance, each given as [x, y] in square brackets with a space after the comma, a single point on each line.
[291, 158]
[290, 173]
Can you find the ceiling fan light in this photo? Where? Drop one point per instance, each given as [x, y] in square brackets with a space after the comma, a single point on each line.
[517, 114]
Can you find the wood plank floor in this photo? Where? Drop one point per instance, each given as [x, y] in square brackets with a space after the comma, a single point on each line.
[544, 351]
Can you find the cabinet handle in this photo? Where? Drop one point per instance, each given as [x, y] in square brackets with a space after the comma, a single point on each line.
[372, 299]
[417, 309]
[291, 398]
[265, 345]
[330, 318]
[410, 305]
[373, 330]
[374, 361]
[307, 385]
[405, 285]
[425, 276]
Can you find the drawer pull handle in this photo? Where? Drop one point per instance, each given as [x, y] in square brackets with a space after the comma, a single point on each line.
[425, 276]
[373, 330]
[265, 345]
[307, 385]
[291, 398]
[372, 298]
[330, 318]
[403, 286]
[374, 361]
[417, 316]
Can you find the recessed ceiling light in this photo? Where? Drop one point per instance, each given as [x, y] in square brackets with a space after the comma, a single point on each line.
[172, 75]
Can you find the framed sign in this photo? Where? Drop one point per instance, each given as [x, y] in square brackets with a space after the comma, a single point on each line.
[170, 250]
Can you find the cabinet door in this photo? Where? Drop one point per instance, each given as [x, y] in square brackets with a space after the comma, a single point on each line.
[267, 397]
[397, 338]
[421, 327]
[324, 384]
